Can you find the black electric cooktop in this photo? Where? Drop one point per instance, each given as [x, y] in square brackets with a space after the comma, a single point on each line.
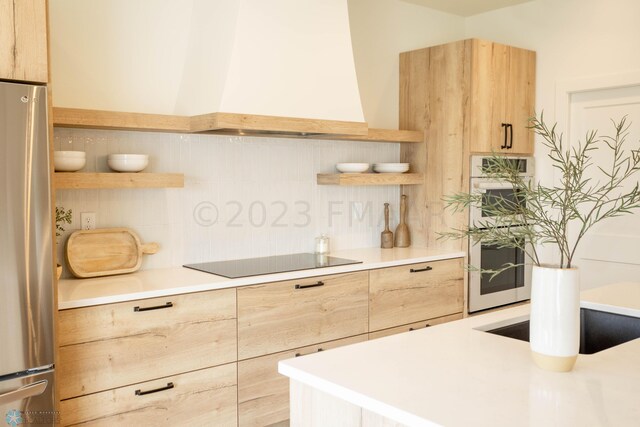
[267, 265]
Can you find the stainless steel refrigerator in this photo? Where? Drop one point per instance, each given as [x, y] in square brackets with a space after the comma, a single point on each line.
[26, 257]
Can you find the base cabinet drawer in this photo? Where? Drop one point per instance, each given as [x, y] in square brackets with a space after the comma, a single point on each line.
[279, 316]
[206, 397]
[414, 326]
[114, 345]
[408, 294]
[263, 394]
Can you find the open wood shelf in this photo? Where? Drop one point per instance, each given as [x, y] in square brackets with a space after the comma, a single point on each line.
[231, 124]
[85, 180]
[370, 179]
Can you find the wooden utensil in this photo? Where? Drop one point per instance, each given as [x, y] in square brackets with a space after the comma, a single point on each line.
[386, 237]
[105, 252]
[403, 239]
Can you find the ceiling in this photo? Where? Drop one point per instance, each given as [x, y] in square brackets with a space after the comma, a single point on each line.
[466, 7]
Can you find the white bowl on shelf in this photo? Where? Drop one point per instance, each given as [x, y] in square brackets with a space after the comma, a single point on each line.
[69, 161]
[128, 162]
[352, 167]
[390, 167]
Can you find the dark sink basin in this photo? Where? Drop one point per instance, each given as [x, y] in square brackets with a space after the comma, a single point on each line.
[599, 330]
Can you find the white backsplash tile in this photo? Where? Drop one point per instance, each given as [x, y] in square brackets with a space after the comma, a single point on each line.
[243, 196]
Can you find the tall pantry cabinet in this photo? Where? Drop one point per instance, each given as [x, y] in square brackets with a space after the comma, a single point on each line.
[23, 40]
[470, 97]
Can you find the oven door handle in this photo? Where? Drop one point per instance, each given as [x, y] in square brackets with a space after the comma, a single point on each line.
[492, 185]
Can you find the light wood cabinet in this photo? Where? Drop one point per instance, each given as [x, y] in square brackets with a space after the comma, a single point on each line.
[414, 326]
[23, 40]
[408, 294]
[273, 317]
[205, 397]
[460, 94]
[502, 90]
[263, 394]
[114, 345]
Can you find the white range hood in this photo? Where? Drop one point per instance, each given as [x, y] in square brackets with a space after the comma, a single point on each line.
[229, 65]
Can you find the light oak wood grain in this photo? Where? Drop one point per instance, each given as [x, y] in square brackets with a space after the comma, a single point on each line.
[399, 296]
[263, 393]
[273, 317]
[370, 179]
[205, 397]
[105, 252]
[114, 345]
[460, 94]
[101, 119]
[502, 91]
[231, 124]
[414, 326]
[254, 122]
[23, 40]
[81, 180]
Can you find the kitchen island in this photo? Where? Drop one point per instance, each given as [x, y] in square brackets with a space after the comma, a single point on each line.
[458, 375]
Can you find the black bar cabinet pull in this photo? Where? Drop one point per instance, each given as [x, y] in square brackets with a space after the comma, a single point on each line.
[313, 285]
[169, 304]
[320, 349]
[506, 127]
[155, 390]
[419, 270]
[298, 354]
[510, 136]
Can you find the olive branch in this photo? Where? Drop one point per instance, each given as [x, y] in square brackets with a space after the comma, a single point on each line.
[542, 213]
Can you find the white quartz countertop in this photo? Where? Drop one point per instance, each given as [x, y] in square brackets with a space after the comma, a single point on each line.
[74, 293]
[456, 375]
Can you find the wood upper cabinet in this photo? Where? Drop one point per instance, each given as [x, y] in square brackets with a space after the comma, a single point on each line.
[460, 94]
[23, 40]
[502, 98]
[279, 316]
[114, 345]
[411, 293]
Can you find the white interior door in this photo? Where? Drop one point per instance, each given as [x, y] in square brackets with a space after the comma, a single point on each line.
[610, 252]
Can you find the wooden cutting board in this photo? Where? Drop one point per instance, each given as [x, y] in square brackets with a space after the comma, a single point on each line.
[105, 251]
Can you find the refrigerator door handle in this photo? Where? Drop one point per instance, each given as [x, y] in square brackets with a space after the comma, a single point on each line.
[21, 393]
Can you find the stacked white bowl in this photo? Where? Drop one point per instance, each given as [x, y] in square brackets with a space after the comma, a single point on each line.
[69, 161]
[128, 162]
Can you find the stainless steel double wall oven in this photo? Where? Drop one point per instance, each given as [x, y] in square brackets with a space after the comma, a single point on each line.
[514, 284]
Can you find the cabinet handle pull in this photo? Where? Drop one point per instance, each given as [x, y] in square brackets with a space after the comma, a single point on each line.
[510, 136]
[426, 325]
[411, 329]
[505, 126]
[419, 270]
[168, 304]
[318, 350]
[155, 390]
[313, 285]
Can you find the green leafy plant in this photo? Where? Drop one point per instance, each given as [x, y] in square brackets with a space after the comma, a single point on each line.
[585, 194]
[62, 217]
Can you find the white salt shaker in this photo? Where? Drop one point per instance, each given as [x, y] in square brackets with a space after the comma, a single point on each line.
[322, 244]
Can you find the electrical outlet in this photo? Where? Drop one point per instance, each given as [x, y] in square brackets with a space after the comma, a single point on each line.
[88, 220]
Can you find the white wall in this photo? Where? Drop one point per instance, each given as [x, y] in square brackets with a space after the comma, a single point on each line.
[263, 189]
[380, 30]
[290, 58]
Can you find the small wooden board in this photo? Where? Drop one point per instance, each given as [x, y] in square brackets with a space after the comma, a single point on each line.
[105, 252]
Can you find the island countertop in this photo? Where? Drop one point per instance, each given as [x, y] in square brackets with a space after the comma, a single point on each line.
[457, 375]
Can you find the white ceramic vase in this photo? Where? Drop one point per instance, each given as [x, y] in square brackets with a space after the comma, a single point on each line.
[555, 317]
